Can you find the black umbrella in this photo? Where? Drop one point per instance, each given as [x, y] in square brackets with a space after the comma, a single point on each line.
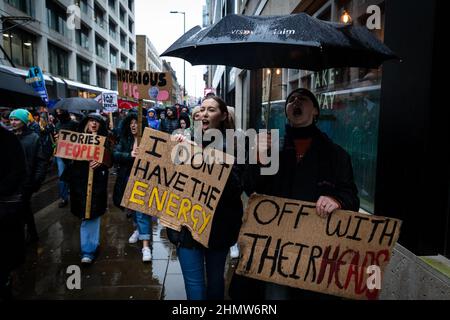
[77, 103]
[15, 92]
[296, 41]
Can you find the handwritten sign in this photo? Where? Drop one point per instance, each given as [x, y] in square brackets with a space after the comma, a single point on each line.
[144, 84]
[284, 241]
[110, 102]
[82, 146]
[179, 183]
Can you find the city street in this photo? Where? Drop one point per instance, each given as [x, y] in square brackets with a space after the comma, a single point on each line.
[118, 272]
[298, 144]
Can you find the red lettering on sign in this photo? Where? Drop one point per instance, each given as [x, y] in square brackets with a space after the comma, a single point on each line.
[69, 149]
[97, 154]
[83, 150]
[76, 150]
[61, 147]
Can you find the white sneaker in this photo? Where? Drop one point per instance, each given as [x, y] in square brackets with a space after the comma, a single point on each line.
[134, 237]
[86, 260]
[234, 251]
[146, 254]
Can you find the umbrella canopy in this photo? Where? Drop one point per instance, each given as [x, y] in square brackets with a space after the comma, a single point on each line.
[77, 103]
[296, 41]
[15, 92]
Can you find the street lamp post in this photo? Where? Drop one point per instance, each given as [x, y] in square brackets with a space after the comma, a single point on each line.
[184, 61]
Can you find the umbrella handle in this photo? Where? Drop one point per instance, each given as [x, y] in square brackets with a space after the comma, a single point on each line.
[269, 100]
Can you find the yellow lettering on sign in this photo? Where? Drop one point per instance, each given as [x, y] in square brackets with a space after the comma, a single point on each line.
[195, 208]
[155, 196]
[137, 192]
[171, 204]
[206, 219]
[185, 206]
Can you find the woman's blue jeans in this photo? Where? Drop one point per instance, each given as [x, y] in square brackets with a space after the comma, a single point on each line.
[62, 185]
[90, 237]
[193, 263]
[144, 225]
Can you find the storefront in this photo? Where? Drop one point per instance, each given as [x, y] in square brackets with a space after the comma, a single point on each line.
[78, 89]
[349, 98]
[55, 86]
[391, 120]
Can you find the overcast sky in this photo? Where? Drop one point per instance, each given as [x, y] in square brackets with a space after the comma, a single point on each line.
[153, 19]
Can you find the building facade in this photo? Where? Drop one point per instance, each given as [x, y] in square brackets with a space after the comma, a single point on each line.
[82, 53]
[177, 90]
[147, 56]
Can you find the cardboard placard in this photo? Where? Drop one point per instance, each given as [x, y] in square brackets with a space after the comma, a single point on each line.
[284, 241]
[82, 146]
[181, 191]
[144, 85]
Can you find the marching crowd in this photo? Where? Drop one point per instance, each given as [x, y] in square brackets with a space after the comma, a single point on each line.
[312, 168]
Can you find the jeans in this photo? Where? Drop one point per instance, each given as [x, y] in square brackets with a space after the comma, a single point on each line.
[193, 262]
[144, 225]
[90, 237]
[63, 186]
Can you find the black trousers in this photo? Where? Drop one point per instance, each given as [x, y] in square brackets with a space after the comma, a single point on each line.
[12, 243]
[29, 219]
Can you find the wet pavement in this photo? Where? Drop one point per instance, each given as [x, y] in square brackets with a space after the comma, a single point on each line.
[118, 271]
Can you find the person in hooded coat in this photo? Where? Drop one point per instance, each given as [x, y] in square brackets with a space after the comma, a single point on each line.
[76, 173]
[124, 155]
[170, 123]
[152, 119]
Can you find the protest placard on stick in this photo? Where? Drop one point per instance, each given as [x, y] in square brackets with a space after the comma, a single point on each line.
[90, 185]
[284, 241]
[82, 146]
[179, 183]
[148, 85]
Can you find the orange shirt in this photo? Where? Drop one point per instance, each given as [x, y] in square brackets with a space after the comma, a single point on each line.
[301, 146]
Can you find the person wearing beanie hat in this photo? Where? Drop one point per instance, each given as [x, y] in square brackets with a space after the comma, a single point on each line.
[21, 114]
[305, 93]
[310, 168]
[36, 163]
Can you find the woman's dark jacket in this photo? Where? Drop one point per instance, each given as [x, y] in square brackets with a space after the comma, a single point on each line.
[35, 160]
[77, 173]
[122, 156]
[12, 214]
[227, 219]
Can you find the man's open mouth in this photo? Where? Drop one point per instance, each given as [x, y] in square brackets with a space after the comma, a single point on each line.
[297, 111]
